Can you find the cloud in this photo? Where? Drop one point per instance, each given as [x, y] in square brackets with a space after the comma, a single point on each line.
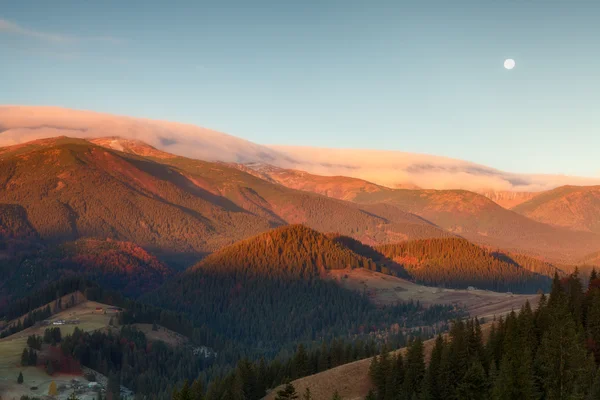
[389, 168]
[13, 28]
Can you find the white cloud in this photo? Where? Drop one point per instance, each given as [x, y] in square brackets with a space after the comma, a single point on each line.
[390, 168]
[13, 28]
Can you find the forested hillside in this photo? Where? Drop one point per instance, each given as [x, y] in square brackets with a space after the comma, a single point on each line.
[455, 262]
[122, 266]
[179, 209]
[550, 353]
[267, 291]
[460, 212]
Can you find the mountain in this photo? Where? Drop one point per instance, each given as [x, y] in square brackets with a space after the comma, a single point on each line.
[177, 208]
[14, 223]
[457, 263]
[19, 124]
[591, 259]
[271, 289]
[508, 199]
[463, 213]
[573, 207]
[122, 266]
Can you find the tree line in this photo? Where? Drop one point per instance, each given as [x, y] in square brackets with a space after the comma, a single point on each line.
[551, 353]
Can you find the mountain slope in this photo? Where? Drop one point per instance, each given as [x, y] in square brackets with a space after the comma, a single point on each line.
[172, 206]
[72, 188]
[573, 207]
[271, 289]
[19, 124]
[293, 250]
[116, 265]
[264, 197]
[14, 223]
[460, 212]
[508, 199]
[458, 263]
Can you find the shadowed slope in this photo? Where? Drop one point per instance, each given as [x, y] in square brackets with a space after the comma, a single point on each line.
[273, 289]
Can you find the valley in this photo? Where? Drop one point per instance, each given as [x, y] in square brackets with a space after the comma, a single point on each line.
[222, 269]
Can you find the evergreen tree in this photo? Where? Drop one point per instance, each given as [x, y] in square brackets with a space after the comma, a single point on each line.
[515, 378]
[300, 362]
[197, 390]
[474, 385]
[25, 358]
[336, 396]
[415, 369]
[185, 393]
[432, 378]
[561, 356]
[287, 393]
[20, 378]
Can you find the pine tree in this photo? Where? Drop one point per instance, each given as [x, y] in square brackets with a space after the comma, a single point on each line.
[561, 356]
[432, 378]
[20, 378]
[474, 385]
[185, 393]
[197, 390]
[300, 362]
[515, 378]
[415, 368]
[25, 358]
[287, 393]
[593, 322]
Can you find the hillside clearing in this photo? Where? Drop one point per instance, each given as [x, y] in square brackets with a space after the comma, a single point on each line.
[386, 289]
[12, 347]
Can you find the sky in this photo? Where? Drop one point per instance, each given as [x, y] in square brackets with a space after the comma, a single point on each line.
[419, 76]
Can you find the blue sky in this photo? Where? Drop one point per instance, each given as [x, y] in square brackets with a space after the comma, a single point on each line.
[420, 76]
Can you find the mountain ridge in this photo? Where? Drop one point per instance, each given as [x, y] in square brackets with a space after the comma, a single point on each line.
[390, 168]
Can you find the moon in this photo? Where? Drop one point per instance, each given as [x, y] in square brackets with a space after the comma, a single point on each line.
[509, 63]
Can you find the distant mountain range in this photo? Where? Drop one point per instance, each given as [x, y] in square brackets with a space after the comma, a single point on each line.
[20, 124]
[572, 207]
[183, 209]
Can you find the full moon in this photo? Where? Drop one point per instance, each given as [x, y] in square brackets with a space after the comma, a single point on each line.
[509, 63]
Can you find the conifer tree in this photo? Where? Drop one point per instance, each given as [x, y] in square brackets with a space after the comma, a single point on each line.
[474, 385]
[561, 356]
[25, 358]
[185, 393]
[197, 390]
[287, 393]
[20, 378]
[515, 378]
[415, 369]
[432, 378]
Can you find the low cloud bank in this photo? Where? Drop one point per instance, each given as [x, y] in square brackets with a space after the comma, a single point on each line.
[390, 168]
